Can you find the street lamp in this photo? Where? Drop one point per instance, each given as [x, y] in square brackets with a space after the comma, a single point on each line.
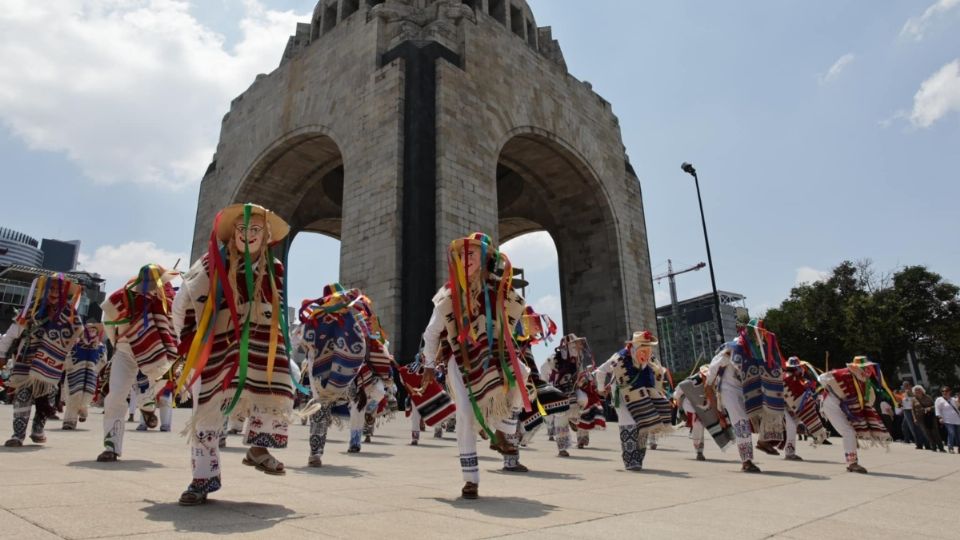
[688, 168]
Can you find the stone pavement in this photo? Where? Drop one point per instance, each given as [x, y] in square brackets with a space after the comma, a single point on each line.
[394, 490]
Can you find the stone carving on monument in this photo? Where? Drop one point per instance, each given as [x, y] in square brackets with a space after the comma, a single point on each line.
[396, 126]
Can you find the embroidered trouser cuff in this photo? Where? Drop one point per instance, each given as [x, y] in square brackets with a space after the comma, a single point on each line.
[319, 424]
[633, 446]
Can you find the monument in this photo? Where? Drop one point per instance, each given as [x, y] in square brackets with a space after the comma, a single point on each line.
[396, 126]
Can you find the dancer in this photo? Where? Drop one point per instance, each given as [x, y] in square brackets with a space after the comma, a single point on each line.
[47, 328]
[565, 371]
[799, 395]
[471, 328]
[747, 371]
[642, 408]
[848, 397]
[139, 323]
[700, 417]
[231, 313]
[83, 367]
[348, 362]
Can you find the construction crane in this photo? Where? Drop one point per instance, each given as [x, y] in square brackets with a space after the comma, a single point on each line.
[670, 274]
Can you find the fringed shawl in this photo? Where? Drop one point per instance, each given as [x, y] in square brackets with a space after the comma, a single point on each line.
[146, 323]
[256, 381]
[799, 394]
[856, 398]
[84, 363]
[487, 375]
[756, 355]
[43, 349]
[638, 389]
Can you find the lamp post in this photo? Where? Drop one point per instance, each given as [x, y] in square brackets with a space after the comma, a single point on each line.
[688, 168]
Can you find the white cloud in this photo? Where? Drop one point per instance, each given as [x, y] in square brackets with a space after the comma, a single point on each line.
[533, 252]
[130, 90]
[117, 264]
[916, 27]
[806, 274]
[834, 72]
[549, 305]
[937, 96]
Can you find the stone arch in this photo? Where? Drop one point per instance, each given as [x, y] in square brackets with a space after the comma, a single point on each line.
[543, 183]
[300, 177]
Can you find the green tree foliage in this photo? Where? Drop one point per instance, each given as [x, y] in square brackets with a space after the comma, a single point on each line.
[853, 312]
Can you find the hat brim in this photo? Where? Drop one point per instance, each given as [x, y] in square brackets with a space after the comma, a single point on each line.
[279, 229]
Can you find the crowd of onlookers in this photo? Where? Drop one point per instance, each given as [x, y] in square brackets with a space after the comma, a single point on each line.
[924, 420]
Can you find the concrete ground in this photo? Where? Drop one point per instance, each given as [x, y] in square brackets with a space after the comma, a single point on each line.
[394, 490]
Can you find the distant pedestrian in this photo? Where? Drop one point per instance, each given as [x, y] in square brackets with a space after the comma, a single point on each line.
[948, 412]
[925, 418]
[909, 424]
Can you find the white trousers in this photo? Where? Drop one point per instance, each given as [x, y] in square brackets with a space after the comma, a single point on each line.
[123, 375]
[76, 406]
[467, 426]
[838, 419]
[696, 433]
[414, 423]
[791, 445]
[732, 399]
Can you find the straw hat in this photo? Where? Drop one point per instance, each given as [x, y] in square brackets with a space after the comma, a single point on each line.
[228, 220]
[643, 338]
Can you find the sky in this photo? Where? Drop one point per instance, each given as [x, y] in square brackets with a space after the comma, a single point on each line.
[821, 131]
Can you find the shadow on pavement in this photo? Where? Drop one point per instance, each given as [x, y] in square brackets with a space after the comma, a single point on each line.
[661, 472]
[21, 449]
[503, 507]
[329, 470]
[546, 475]
[575, 457]
[798, 475]
[895, 475]
[365, 454]
[218, 517]
[121, 465]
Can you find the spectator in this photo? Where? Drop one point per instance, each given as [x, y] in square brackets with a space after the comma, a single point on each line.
[925, 418]
[910, 426]
[947, 410]
[898, 434]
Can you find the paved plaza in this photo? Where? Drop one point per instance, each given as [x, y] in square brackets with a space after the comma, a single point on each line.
[393, 490]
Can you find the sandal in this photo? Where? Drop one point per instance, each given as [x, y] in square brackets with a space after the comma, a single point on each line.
[39, 438]
[519, 467]
[500, 444]
[315, 461]
[767, 448]
[68, 426]
[563, 453]
[192, 498]
[748, 466]
[857, 468]
[150, 419]
[265, 463]
[470, 491]
[107, 456]
[13, 443]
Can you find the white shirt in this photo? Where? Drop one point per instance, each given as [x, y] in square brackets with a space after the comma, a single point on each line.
[723, 359]
[947, 410]
[907, 402]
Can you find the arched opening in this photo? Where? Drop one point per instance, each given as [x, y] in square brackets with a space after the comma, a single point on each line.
[301, 179]
[544, 185]
[536, 255]
[313, 260]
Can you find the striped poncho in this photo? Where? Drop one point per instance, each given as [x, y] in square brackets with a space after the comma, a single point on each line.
[84, 363]
[799, 394]
[856, 399]
[43, 348]
[145, 323]
[481, 358]
[762, 387]
[221, 376]
[638, 389]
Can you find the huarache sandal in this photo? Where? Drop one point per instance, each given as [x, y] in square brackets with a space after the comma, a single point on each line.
[107, 456]
[793, 457]
[470, 491]
[563, 453]
[39, 438]
[192, 498]
[13, 443]
[264, 463]
[767, 448]
[150, 419]
[315, 461]
[857, 468]
[68, 426]
[748, 466]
